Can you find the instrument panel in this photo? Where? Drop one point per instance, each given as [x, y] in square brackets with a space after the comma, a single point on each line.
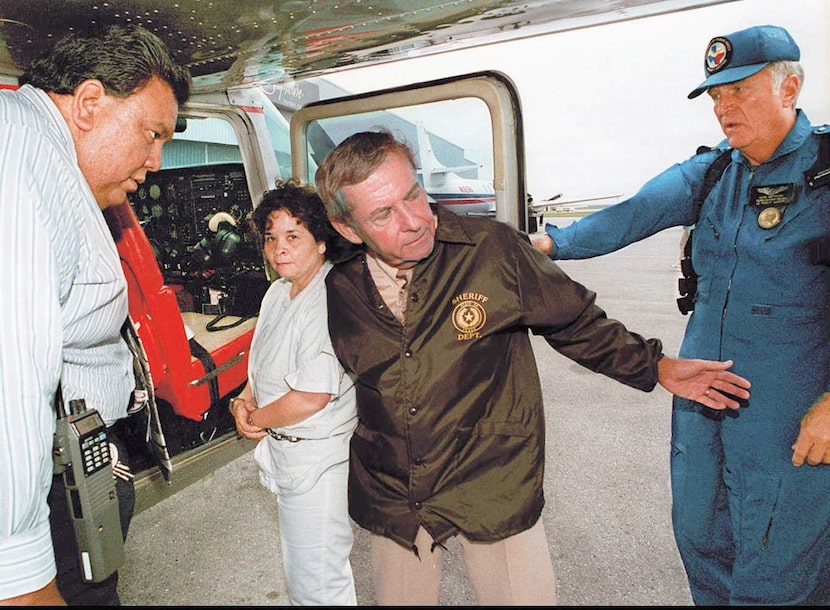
[197, 220]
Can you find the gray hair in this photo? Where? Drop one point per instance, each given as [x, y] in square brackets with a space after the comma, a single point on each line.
[780, 70]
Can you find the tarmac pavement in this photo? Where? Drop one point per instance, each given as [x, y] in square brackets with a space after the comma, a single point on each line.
[608, 510]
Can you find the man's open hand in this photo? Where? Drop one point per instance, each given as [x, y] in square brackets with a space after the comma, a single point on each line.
[705, 381]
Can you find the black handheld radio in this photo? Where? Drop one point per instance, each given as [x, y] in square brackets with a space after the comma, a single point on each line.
[81, 453]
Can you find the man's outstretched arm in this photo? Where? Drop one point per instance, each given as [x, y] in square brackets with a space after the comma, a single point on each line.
[705, 381]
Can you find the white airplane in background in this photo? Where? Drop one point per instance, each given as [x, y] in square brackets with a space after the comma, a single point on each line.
[443, 185]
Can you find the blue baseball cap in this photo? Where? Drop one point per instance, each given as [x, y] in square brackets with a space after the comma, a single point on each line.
[739, 55]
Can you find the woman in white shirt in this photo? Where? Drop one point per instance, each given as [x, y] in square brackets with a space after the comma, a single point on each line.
[298, 401]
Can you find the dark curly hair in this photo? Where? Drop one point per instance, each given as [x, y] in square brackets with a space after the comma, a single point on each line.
[304, 204]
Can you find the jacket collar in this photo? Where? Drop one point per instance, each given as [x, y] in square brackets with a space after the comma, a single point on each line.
[451, 228]
[800, 131]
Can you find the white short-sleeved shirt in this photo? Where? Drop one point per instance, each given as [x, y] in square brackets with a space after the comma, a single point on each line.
[291, 349]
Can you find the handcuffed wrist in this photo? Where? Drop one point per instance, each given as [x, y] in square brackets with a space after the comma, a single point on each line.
[233, 401]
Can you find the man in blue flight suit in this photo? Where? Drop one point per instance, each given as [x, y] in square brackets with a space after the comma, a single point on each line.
[751, 519]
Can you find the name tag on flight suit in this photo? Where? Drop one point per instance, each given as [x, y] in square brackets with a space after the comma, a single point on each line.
[771, 200]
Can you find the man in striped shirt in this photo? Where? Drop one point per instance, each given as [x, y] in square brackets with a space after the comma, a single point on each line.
[82, 131]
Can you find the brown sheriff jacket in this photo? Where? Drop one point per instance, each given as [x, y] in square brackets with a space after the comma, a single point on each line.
[451, 424]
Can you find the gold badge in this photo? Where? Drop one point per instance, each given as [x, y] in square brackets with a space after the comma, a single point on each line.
[769, 217]
[469, 315]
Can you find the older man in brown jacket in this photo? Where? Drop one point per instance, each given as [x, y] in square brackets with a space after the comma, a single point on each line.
[432, 319]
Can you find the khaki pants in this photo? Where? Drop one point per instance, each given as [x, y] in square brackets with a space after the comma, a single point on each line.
[514, 571]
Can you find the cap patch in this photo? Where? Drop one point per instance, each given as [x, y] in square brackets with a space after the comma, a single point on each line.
[739, 55]
[718, 55]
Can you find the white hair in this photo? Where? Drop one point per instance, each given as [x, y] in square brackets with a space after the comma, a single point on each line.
[780, 70]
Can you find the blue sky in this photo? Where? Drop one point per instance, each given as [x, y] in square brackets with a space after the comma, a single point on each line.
[611, 110]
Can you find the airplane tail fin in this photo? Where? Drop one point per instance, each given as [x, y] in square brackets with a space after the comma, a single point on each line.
[433, 171]
[430, 167]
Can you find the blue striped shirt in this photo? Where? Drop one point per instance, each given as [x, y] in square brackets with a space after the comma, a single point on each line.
[62, 305]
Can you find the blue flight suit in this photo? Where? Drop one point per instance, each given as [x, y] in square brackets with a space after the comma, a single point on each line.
[751, 527]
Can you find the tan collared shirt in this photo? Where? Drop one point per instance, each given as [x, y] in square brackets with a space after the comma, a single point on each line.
[391, 283]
